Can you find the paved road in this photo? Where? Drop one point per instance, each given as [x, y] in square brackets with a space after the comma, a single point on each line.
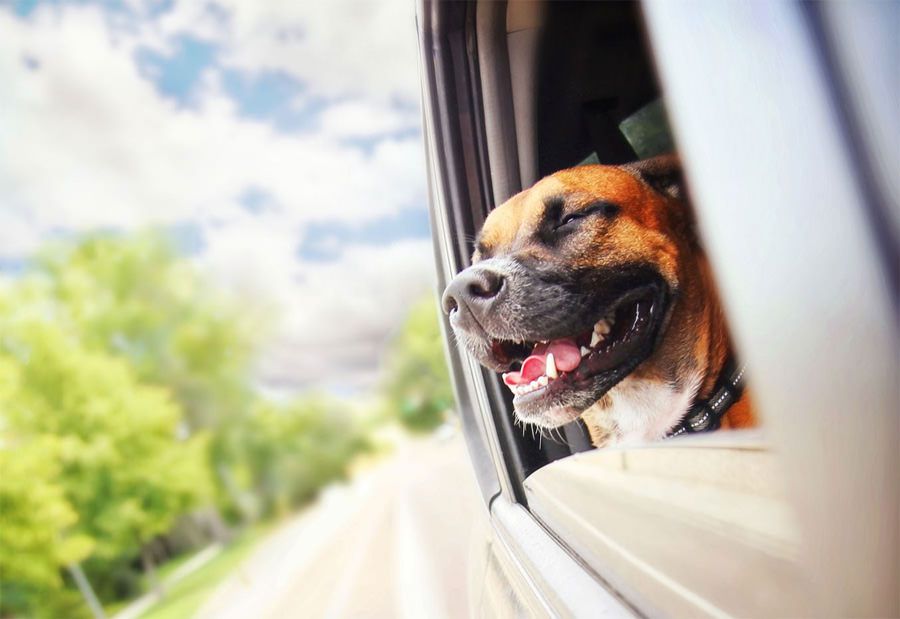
[393, 543]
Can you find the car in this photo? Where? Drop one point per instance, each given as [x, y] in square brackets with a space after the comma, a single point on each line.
[784, 116]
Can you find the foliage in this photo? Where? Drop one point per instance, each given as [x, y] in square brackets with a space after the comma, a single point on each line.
[134, 297]
[100, 446]
[35, 539]
[295, 449]
[126, 473]
[124, 392]
[417, 385]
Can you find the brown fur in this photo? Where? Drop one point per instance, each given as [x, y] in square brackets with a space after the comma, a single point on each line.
[651, 227]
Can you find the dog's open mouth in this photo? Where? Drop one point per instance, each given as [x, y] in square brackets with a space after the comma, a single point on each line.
[593, 359]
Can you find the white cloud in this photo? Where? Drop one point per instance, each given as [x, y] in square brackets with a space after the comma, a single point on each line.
[89, 142]
[95, 145]
[335, 317]
[343, 314]
[337, 47]
[19, 236]
[363, 119]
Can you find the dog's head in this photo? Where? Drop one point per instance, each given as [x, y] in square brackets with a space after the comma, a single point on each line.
[573, 283]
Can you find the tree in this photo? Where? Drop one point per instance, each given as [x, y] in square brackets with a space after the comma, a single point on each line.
[124, 388]
[417, 385]
[134, 297]
[295, 449]
[111, 468]
[36, 539]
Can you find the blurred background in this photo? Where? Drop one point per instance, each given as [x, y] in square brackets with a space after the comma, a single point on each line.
[220, 364]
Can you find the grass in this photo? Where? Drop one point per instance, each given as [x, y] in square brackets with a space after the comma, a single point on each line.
[114, 607]
[162, 573]
[170, 566]
[186, 596]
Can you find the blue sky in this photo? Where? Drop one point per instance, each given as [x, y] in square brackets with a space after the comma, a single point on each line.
[277, 145]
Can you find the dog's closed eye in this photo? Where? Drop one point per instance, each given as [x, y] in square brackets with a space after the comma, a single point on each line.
[571, 220]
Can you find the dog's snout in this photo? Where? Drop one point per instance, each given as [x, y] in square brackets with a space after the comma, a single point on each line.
[476, 288]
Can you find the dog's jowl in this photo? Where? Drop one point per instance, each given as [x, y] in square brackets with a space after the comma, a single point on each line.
[590, 292]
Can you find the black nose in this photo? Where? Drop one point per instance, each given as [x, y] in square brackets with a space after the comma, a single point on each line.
[476, 288]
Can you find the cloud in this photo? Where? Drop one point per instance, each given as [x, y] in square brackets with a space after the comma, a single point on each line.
[338, 48]
[335, 317]
[96, 145]
[363, 119]
[325, 240]
[343, 315]
[19, 236]
[245, 129]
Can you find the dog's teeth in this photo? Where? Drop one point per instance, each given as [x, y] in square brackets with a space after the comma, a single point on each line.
[602, 327]
[585, 351]
[543, 381]
[596, 338]
[551, 366]
[534, 385]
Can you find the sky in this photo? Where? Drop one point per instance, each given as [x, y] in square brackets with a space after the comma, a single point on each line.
[277, 141]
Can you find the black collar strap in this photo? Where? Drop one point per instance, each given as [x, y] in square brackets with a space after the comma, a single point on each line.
[705, 416]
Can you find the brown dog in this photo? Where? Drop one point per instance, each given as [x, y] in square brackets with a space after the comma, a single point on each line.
[594, 280]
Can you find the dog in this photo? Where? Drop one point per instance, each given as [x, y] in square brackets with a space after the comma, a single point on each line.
[590, 292]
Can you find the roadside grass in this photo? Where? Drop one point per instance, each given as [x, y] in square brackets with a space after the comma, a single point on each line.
[170, 566]
[186, 596]
[112, 608]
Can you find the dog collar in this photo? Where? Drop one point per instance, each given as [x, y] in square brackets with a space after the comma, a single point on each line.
[706, 415]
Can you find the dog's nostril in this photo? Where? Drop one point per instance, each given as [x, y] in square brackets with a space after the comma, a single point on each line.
[473, 287]
[486, 285]
[449, 304]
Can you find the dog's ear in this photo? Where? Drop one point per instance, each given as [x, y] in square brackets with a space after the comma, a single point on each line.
[662, 173]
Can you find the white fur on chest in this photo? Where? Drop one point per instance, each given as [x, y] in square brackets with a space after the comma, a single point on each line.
[644, 410]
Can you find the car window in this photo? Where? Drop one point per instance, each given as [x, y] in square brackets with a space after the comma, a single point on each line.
[584, 91]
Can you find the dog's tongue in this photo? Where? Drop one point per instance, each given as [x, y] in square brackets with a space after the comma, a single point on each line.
[566, 355]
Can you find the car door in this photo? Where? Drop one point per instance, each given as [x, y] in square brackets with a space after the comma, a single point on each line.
[777, 111]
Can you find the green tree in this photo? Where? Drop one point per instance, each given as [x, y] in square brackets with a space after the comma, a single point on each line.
[417, 385]
[134, 297]
[297, 448]
[112, 470]
[124, 387]
[36, 519]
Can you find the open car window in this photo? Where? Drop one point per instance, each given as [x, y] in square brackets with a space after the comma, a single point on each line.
[579, 82]
[781, 194]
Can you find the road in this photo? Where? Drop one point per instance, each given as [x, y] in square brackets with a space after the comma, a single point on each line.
[392, 543]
